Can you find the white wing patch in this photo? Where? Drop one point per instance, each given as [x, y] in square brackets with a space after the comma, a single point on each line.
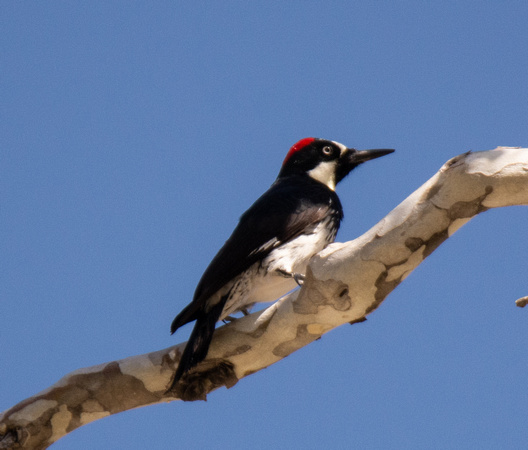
[264, 247]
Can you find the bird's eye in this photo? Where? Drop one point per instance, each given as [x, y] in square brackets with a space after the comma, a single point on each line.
[327, 150]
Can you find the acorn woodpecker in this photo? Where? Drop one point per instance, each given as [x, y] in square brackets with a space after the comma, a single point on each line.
[267, 254]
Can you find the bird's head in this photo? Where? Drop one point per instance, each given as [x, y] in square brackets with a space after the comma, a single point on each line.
[325, 161]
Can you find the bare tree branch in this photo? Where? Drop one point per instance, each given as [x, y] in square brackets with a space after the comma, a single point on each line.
[344, 283]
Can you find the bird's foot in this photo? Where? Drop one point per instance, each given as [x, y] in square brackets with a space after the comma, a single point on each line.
[244, 311]
[299, 278]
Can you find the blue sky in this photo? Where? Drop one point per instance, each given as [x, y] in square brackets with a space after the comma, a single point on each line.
[132, 137]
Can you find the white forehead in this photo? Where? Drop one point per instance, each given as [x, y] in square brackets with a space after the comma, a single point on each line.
[342, 147]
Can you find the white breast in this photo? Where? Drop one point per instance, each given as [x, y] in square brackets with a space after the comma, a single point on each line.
[293, 256]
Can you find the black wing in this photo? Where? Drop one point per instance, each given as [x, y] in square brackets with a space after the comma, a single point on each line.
[267, 224]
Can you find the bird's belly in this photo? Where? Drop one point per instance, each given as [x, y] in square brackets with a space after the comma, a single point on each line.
[266, 281]
[260, 288]
[292, 257]
[270, 288]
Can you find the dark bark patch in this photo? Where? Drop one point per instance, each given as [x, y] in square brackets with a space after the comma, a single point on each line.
[413, 243]
[302, 338]
[112, 389]
[36, 435]
[434, 242]
[204, 378]
[11, 438]
[433, 191]
[383, 288]
[360, 320]
[465, 210]
[238, 351]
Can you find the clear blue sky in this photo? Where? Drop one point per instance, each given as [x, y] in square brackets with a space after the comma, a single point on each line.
[134, 134]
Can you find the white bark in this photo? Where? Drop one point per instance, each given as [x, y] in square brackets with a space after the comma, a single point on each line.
[344, 283]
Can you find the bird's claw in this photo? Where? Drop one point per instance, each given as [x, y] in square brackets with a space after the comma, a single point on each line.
[229, 319]
[299, 278]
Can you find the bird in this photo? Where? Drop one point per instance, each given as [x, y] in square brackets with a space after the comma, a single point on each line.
[267, 254]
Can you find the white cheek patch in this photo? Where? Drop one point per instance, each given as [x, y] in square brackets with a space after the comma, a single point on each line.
[325, 173]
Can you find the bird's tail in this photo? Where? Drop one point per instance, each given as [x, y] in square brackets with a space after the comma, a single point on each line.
[199, 341]
[188, 314]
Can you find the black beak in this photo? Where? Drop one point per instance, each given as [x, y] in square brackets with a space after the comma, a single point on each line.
[360, 156]
[353, 158]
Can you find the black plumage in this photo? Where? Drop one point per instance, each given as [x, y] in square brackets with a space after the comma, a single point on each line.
[275, 238]
[266, 225]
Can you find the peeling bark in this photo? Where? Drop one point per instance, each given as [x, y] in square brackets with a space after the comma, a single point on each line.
[344, 283]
